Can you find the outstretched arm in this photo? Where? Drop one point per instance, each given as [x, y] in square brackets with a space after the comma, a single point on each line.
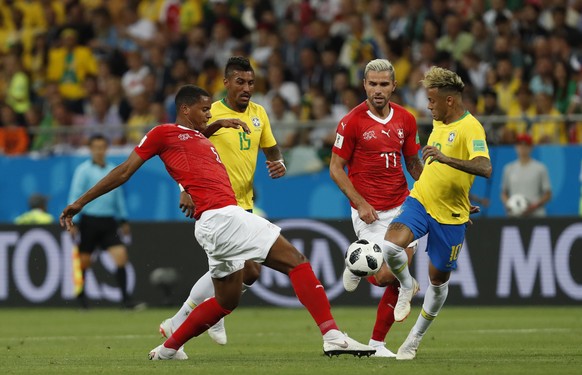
[225, 123]
[275, 163]
[336, 170]
[478, 166]
[118, 176]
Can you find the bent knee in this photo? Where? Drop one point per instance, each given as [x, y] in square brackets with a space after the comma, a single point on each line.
[252, 271]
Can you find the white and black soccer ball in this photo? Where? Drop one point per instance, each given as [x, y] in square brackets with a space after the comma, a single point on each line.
[364, 258]
[517, 204]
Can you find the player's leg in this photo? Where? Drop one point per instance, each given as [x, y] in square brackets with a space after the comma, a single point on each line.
[444, 245]
[208, 313]
[201, 291]
[119, 255]
[285, 258]
[413, 217]
[385, 312]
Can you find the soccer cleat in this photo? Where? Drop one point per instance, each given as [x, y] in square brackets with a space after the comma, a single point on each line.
[402, 308]
[181, 354]
[166, 328]
[218, 333]
[161, 353]
[409, 347]
[381, 350]
[350, 280]
[346, 345]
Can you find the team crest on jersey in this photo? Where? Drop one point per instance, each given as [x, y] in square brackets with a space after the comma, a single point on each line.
[184, 136]
[452, 136]
[256, 122]
[400, 133]
[369, 135]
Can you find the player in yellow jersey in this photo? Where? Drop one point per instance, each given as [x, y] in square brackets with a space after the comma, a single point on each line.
[438, 204]
[238, 148]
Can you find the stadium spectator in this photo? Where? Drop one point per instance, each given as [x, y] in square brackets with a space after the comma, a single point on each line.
[14, 138]
[132, 79]
[103, 223]
[18, 90]
[280, 113]
[196, 45]
[455, 40]
[527, 177]
[222, 44]
[141, 118]
[548, 126]
[102, 118]
[521, 115]
[69, 65]
[37, 213]
[446, 224]
[218, 226]
[374, 205]
[279, 84]
[238, 151]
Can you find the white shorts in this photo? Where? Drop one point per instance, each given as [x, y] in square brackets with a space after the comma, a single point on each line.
[376, 231]
[231, 235]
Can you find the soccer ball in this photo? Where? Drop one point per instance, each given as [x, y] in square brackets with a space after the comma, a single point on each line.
[517, 204]
[364, 258]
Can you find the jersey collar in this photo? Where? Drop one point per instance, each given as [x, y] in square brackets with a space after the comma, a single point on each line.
[382, 121]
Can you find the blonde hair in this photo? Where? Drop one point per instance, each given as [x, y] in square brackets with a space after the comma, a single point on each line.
[441, 78]
[379, 65]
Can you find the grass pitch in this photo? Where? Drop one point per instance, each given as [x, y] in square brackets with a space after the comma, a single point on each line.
[285, 341]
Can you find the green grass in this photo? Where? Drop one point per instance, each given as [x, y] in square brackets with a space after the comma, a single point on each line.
[285, 341]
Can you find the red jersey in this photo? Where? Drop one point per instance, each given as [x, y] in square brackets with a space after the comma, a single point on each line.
[193, 162]
[373, 148]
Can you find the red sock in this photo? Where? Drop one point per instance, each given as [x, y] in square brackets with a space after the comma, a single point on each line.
[204, 316]
[372, 280]
[311, 294]
[385, 314]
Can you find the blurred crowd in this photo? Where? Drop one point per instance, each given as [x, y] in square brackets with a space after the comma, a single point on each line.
[74, 68]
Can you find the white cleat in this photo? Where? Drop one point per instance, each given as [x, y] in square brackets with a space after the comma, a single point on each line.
[350, 280]
[407, 350]
[402, 308]
[381, 350]
[346, 345]
[166, 328]
[218, 333]
[161, 353]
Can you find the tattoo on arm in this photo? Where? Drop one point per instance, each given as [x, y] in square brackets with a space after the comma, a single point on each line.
[273, 153]
[479, 166]
[414, 166]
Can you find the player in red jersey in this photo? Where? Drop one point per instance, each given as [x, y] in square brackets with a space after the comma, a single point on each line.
[229, 234]
[370, 141]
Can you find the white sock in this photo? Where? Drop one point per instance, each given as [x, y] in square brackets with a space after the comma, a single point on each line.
[434, 299]
[200, 292]
[333, 335]
[397, 259]
[375, 344]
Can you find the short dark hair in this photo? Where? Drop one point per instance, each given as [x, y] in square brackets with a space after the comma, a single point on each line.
[97, 137]
[189, 94]
[240, 63]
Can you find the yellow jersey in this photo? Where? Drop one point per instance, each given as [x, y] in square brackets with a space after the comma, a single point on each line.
[239, 150]
[444, 190]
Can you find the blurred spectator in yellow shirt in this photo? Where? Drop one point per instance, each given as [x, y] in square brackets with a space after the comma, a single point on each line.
[547, 130]
[69, 65]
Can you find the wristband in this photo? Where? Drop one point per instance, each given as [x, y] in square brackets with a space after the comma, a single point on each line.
[181, 187]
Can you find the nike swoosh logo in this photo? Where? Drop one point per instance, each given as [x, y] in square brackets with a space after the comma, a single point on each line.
[344, 345]
[318, 286]
[390, 305]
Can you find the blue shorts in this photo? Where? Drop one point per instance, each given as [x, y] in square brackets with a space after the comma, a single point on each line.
[444, 240]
